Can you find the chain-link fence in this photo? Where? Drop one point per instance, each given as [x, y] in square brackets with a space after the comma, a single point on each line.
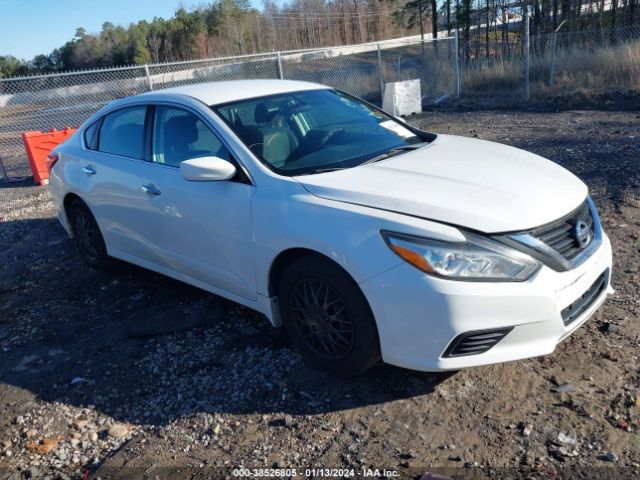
[67, 99]
[499, 65]
[587, 59]
[507, 64]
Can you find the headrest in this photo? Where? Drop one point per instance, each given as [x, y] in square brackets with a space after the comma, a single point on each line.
[182, 127]
[262, 114]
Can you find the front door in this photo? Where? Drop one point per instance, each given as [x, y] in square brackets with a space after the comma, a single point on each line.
[203, 228]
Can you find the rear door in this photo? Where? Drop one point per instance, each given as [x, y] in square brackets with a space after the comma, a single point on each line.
[112, 173]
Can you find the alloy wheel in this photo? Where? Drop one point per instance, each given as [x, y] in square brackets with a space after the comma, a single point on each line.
[322, 318]
[87, 235]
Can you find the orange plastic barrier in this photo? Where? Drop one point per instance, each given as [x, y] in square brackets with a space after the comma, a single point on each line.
[38, 145]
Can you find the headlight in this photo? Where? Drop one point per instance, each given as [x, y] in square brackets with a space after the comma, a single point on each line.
[477, 259]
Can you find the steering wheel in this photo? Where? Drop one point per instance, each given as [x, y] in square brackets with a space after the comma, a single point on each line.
[330, 135]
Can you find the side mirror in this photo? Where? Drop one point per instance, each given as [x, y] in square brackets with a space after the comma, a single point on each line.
[207, 169]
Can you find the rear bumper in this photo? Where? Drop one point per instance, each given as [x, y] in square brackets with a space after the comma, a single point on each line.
[418, 316]
[57, 190]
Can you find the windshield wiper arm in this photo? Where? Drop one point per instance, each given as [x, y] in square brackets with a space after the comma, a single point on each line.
[389, 153]
[394, 151]
[323, 170]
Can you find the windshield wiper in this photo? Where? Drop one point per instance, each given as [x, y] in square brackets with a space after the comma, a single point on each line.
[394, 151]
[389, 153]
[323, 170]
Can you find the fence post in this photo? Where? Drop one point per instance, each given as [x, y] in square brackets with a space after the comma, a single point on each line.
[380, 75]
[457, 60]
[280, 74]
[4, 172]
[552, 70]
[146, 72]
[526, 54]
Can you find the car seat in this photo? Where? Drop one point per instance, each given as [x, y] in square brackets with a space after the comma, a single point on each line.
[180, 132]
[276, 139]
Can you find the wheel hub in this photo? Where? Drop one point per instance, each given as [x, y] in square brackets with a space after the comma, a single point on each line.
[321, 318]
[86, 234]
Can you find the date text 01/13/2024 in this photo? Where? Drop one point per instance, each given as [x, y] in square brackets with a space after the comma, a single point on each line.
[314, 473]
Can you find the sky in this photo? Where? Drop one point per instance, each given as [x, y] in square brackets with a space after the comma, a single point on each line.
[31, 27]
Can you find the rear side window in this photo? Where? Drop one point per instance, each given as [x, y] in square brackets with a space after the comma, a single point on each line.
[91, 136]
[122, 132]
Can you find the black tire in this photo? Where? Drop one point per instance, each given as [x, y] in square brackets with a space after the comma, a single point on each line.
[87, 236]
[332, 326]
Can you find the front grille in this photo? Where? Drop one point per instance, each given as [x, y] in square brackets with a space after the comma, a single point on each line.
[561, 235]
[476, 342]
[577, 308]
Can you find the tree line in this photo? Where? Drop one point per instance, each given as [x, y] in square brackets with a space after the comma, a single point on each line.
[222, 28]
[234, 27]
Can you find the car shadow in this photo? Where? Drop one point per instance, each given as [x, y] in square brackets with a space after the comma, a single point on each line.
[16, 182]
[145, 349]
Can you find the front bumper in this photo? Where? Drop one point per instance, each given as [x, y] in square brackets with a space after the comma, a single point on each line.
[418, 315]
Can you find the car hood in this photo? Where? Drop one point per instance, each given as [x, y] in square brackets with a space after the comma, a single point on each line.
[462, 181]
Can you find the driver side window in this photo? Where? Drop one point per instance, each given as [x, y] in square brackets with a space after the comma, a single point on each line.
[179, 135]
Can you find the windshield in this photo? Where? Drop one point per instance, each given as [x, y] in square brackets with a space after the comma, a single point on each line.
[313, 131]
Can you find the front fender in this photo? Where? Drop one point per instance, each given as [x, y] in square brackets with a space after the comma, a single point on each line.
[348, 234]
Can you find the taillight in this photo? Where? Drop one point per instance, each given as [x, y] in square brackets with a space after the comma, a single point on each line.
[52, 158]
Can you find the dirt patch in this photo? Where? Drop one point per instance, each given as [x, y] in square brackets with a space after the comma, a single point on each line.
[132, 375]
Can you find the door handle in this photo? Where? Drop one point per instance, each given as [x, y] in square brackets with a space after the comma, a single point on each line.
[151, 189]
[89, 170]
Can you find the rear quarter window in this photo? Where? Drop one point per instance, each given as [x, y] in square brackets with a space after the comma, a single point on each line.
[91, 136]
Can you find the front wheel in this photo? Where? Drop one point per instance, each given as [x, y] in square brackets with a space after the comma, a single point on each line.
[327, 317]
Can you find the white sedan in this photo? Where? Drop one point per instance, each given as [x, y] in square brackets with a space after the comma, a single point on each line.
[367, 238]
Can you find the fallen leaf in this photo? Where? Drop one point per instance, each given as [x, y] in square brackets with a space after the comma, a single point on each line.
[43, 447]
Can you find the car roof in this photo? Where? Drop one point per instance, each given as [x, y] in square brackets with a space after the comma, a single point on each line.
[213, 93]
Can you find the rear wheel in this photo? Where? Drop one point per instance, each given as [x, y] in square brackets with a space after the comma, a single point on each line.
[87, 236]
[327, 317]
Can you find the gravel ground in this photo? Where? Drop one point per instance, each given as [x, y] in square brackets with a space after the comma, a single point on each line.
[133, 375]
